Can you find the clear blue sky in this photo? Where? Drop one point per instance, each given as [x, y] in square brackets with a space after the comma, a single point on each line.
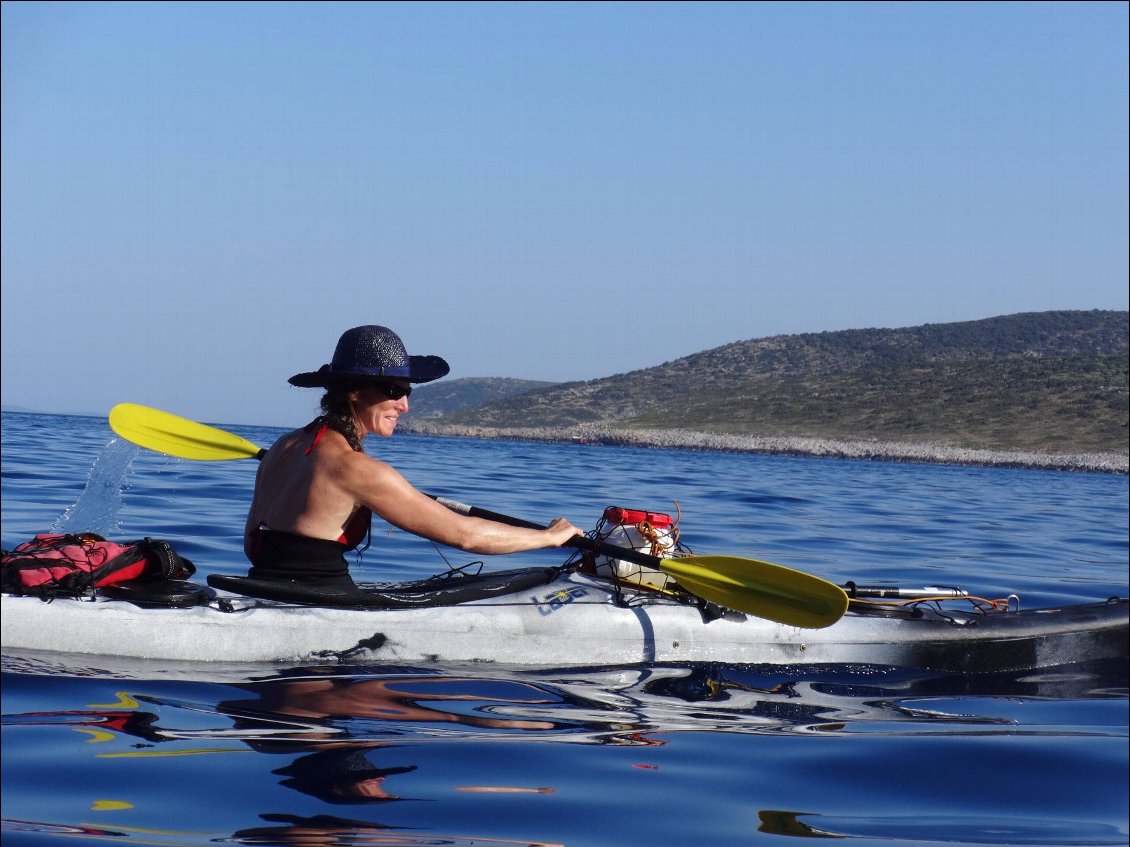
[199, 197]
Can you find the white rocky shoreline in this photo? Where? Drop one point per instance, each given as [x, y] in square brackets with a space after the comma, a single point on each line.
[887, 451]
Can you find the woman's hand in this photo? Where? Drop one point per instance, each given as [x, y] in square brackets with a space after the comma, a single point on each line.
[560, 530]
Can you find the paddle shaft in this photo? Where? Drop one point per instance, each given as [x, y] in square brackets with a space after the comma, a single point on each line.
[581, 542]
[746, 585]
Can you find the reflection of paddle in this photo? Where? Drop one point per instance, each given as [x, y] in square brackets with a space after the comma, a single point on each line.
[758, 588]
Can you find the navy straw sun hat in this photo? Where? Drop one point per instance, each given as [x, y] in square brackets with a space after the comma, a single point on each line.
[371, 352]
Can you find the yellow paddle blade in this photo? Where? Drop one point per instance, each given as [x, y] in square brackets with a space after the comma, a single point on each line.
[176, 436]
[768, 591]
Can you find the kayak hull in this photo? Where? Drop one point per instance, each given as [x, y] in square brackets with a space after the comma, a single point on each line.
[572, 621]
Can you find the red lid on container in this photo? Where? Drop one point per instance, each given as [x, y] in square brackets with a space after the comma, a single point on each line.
[631, 517]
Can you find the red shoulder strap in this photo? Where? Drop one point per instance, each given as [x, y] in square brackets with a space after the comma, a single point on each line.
[321, 431]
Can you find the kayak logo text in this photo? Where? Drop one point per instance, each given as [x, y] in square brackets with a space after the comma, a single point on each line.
[555, 600]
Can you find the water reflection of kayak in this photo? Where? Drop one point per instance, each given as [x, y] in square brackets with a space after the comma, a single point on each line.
[522, 619]
[310, 708]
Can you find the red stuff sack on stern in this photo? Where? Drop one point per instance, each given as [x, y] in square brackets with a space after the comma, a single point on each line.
[74, 564]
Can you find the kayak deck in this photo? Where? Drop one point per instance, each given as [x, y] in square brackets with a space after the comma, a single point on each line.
[571, 621]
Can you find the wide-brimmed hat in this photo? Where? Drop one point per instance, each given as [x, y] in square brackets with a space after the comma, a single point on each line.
[371, 352]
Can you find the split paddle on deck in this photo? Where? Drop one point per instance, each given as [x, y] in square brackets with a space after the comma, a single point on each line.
[768, 591]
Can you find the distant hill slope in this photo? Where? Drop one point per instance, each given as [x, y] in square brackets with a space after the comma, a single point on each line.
[1046, 381]
[444, 398]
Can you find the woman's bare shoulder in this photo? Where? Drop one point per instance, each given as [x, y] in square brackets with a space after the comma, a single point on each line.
[289, 440]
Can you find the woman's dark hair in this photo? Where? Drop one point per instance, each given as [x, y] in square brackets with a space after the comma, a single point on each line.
[338, 414]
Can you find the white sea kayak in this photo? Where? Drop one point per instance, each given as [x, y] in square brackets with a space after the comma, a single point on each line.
[569, 621]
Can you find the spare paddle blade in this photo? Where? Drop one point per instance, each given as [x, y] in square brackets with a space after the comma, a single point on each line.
[176, 436]
[768, 591]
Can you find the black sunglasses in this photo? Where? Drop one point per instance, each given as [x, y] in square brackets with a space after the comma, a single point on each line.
[392, 390]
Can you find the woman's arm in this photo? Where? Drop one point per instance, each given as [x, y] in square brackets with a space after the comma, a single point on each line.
[388, 494]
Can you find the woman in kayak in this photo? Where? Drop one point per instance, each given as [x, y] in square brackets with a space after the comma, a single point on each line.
[316, 490]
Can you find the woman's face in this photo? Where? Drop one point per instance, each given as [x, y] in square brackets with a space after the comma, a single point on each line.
[375, 411]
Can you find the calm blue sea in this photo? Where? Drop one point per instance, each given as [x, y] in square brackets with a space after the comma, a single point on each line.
[686, 755]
